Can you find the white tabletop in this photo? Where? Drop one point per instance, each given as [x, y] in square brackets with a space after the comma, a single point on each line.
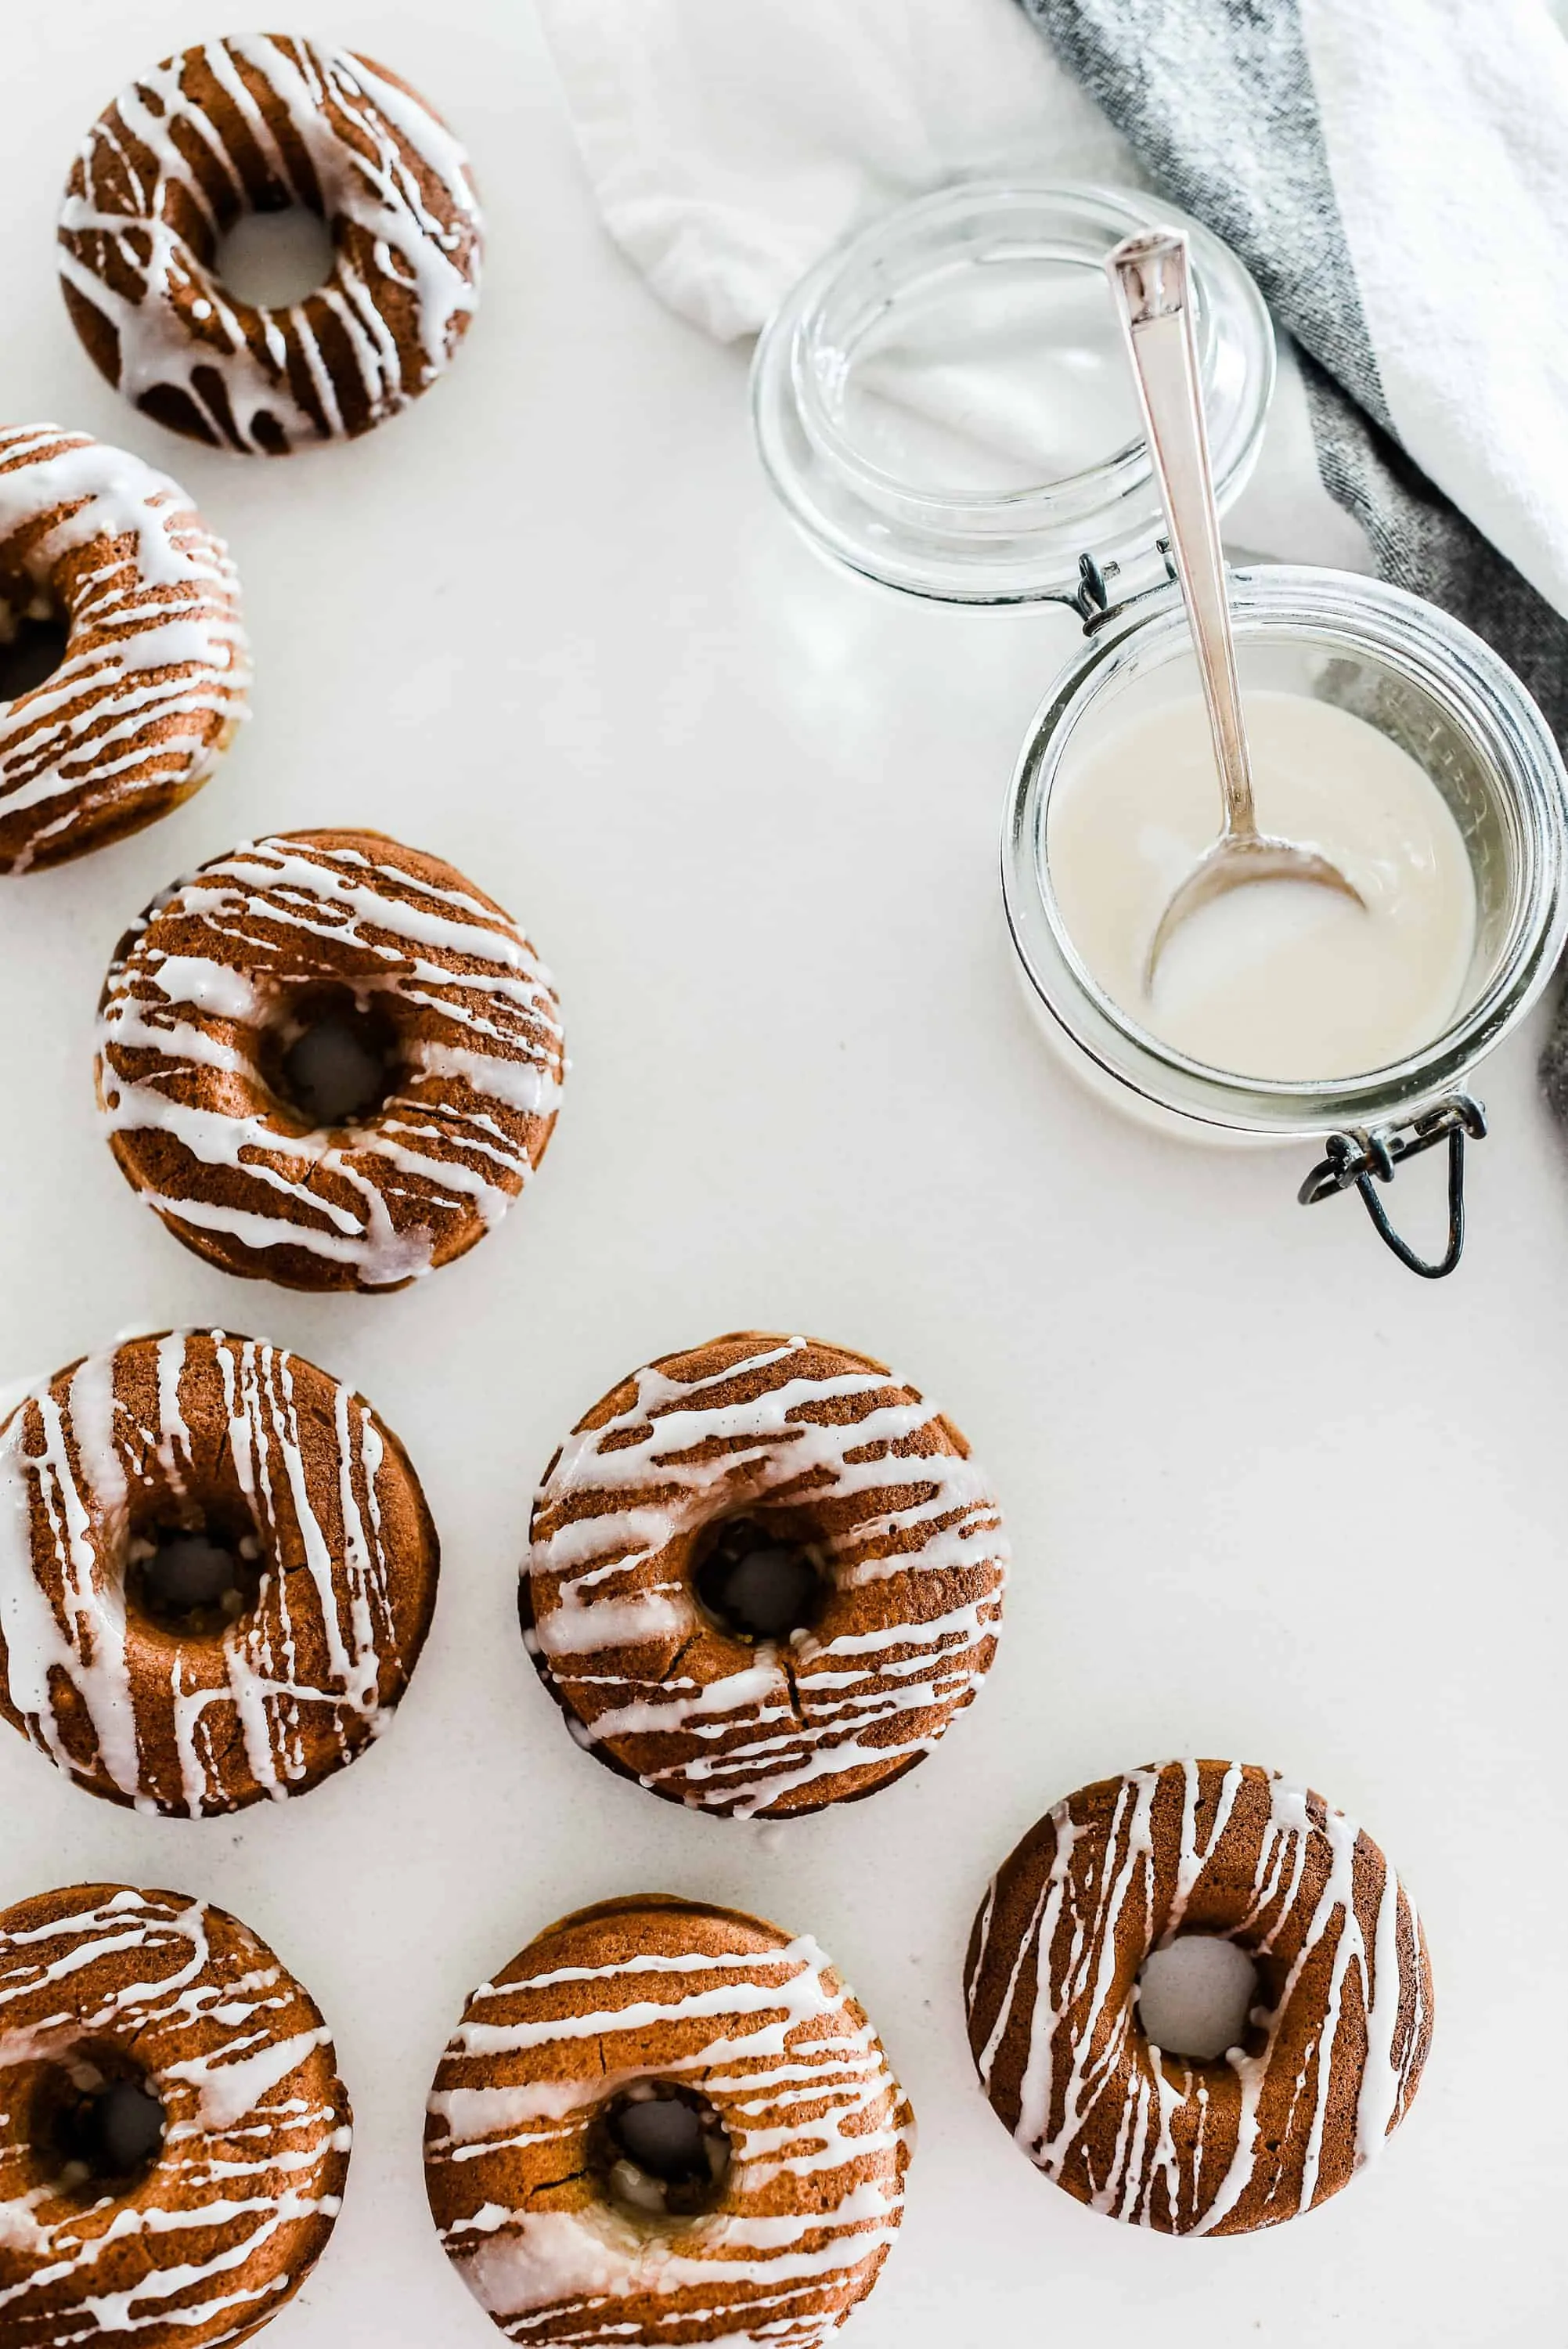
[1271, 1497]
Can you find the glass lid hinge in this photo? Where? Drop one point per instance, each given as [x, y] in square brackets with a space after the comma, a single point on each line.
[1098, 582]
[1359, 1158]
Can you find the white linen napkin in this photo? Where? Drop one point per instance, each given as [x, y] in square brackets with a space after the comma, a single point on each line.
[729, 147]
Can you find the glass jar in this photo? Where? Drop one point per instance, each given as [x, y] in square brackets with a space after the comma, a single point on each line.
[1443, 696]
[944, 405]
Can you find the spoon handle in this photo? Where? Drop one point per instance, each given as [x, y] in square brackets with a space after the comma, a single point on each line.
[1149, 280]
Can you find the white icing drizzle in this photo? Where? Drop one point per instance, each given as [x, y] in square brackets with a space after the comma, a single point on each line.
[216, 963]
[921, 1553]
[389, 179]
[819, 2136]
[1198, 2148]
[156, 671]
[306, 1678]
[242, 2197]
[386, 174]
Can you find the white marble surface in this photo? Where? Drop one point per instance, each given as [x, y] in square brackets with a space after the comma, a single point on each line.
[1271, 1497]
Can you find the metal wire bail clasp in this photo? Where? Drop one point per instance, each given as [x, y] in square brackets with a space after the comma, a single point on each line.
[1359, 1158]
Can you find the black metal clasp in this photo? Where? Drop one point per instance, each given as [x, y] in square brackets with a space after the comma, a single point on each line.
[1106, 591]
[1359, 1158]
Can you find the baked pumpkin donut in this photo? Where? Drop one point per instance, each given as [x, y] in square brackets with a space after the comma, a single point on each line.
[667, 2123]
[262, 123]
[764, 1575]
[329, 1061]
[152, 679]
[1333, 2051]
[217, 1571]
[173, 2133]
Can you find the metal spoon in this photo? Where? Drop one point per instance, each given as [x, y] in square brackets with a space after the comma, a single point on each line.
[1148, 278]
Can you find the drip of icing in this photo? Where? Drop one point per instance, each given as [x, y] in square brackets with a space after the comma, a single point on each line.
[394, 186]
[226, 2093]
[270, 918]
[156, 671]
[828, 1705]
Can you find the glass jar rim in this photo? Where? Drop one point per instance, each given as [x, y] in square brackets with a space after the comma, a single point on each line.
[970, 199]
[1022, 544]
[1481, 697]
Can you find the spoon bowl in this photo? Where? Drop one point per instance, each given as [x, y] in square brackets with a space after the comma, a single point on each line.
[1149, 280]
[1235, 861]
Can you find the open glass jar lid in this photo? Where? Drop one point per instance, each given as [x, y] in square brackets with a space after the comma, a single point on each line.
[943, 403]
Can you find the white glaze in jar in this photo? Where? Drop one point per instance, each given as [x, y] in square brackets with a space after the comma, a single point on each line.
[1284, 978]
[1434, 689]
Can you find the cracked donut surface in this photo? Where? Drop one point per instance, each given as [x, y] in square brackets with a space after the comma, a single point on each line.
[827, 1454]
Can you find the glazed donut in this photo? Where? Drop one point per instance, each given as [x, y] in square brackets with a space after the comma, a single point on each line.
[425, 979]
[261, 123]
[667, 2123]
[217, 1571]
[1334, 2052]
[173, 2133]
[155, 672]
[773, 1469]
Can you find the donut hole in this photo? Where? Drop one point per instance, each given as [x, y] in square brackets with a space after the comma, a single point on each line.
[192, 1581]
[31, 647]
[335, 1059]
[274, 259]
[660, 2151]
[96, 2121]
[755, 1583]
[1195, 1997]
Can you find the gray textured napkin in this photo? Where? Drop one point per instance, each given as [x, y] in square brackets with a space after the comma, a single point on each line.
[1218, 98]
